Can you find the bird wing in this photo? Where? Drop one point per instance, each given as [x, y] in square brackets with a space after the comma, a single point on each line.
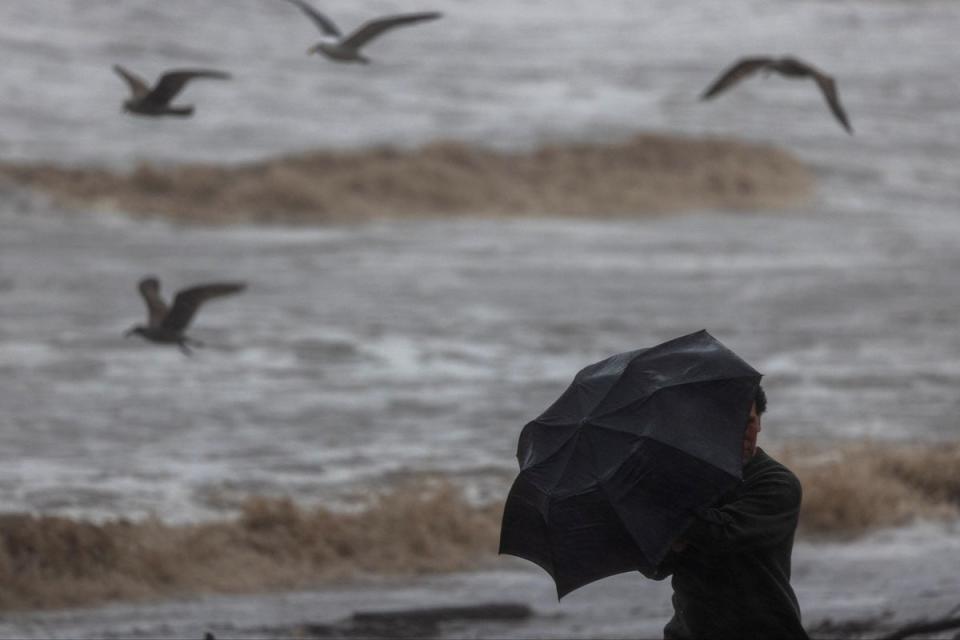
[172, 82]
[829, 89]
[156, 307]
[138, 86]
[187, 301]
[324, 23]
[733, 74]
[371, 29]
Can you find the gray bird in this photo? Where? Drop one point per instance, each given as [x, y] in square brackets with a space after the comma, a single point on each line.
[342, 48]
[788, 67]
[166, 325]
[155, 101]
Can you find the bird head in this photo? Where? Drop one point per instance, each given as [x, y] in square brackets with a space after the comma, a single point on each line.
[135, 330]
[322, 46]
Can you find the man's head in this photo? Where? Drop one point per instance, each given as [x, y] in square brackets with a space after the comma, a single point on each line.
[753, 424]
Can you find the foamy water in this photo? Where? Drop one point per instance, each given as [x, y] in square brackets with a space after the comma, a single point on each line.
[360, 355]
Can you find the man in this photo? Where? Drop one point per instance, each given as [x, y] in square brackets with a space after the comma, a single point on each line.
[731, 568]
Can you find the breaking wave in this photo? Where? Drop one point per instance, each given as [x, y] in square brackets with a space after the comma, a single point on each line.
[425, 525]
[854, 488]
[49, 561]
[647, 174]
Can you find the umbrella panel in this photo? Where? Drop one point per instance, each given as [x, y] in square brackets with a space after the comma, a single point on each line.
[657, 493]
[626, 524]
[593, 544]
[705, 419]
[690, 359]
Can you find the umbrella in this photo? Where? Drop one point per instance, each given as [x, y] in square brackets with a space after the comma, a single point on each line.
[613, 472]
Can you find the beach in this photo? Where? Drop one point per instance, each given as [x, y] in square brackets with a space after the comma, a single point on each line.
[433, 246]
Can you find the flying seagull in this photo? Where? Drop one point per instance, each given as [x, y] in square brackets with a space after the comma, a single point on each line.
[342, 48]
[786, 66]
[155, 101]
[166, 325]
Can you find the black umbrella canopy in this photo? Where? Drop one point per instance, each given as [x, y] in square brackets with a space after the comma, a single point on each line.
[613, 471]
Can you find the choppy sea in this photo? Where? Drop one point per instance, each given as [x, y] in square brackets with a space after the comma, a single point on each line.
[364, 354]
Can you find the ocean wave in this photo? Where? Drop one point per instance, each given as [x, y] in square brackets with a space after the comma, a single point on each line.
[851, 489]
[51, 561]
[646, 174]
[426, 524]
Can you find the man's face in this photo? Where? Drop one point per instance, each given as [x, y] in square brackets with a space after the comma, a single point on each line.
[750, 437]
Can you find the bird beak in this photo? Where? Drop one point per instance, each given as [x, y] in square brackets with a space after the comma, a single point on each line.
[313, 49]
[129, 332]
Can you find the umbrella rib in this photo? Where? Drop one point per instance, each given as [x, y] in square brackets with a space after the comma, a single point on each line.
[687, 453]
[553, 558]
[702, 380]
[669, 385]
[575, 434]
[558, 449]
[620, 431]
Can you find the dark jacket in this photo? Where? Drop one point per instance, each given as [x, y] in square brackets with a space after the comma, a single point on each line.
[732, 580]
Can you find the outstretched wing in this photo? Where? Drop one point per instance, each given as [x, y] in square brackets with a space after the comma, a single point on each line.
[172, 82]
[735, 73]
[138, 86]
[186, 303]
[324, 23]
[156, 307]
[370, 30]
[829, 89]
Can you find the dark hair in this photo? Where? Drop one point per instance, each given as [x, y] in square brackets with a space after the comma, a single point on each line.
[760, 399]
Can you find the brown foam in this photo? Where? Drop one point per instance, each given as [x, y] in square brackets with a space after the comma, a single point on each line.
[645, 175]
[426, 525]
[856, 487]
[48, 561]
